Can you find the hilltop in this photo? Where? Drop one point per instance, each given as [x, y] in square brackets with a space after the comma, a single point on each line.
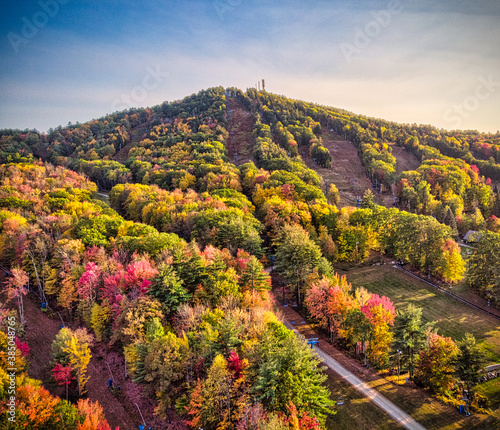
[164, 238]
[352, 151]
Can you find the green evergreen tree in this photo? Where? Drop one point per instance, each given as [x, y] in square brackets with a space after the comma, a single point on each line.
[484, 263]
[409, 336]
[470, 360]
[450, 220]
[168, 289]
[289, 371]
[296, 257]
[254, 276]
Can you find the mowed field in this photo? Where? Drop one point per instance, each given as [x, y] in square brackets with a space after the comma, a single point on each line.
[452, 317]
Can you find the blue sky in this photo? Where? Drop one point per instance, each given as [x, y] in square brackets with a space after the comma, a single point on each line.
[431, 62]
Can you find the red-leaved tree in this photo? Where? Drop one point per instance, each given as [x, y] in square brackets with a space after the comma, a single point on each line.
[62, 375]
[89, 283]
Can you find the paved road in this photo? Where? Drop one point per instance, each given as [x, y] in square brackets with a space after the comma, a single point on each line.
[382, 402]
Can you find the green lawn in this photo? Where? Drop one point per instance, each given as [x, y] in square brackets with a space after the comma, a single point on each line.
[453, 318]
[491, 389]
[465, 250]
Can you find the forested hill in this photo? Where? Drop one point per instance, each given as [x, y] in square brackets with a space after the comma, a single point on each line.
[184, 144]
[204, 193]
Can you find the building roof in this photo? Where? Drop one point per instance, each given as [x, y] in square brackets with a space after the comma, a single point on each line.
[472, 236]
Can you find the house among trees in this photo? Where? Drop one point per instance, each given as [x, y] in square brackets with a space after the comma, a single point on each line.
[472, 236]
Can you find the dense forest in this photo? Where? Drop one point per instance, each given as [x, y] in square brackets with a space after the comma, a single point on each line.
[145, 233]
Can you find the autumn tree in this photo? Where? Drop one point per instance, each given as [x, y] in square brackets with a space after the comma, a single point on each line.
[61, 341]
[35, 406]
[36, 254]
[164, 367]
[17, 288]
[79, 358]
[100, 319]
[329, 300]
[356, 329]
[64, 271]
[451, 265]
[296, 257]
[381, 313]
[435, 369]
[63, 376]
[133, 320]
[333, 195]
[327, 244]
[88, 287]
[93, 416]
[316, 302]
[215, 394]
[301, 421]
[72, 348]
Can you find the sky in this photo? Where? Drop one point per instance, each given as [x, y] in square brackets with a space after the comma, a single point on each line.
[411, 61]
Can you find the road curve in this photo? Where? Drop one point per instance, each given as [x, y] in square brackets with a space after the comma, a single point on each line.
[401, 417]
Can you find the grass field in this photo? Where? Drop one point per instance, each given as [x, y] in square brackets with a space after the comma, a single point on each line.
[452, 318]
[431, 413]
[491, 389]
[465, 251]
[359, 413]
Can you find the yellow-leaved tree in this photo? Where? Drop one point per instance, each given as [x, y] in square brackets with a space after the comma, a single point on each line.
[79, 357]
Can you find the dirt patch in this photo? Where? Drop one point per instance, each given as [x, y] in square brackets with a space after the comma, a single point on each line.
[119, 405]
[404, 159]
[40, 332]
[137, 134]
[240, 124]
[346, 172]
